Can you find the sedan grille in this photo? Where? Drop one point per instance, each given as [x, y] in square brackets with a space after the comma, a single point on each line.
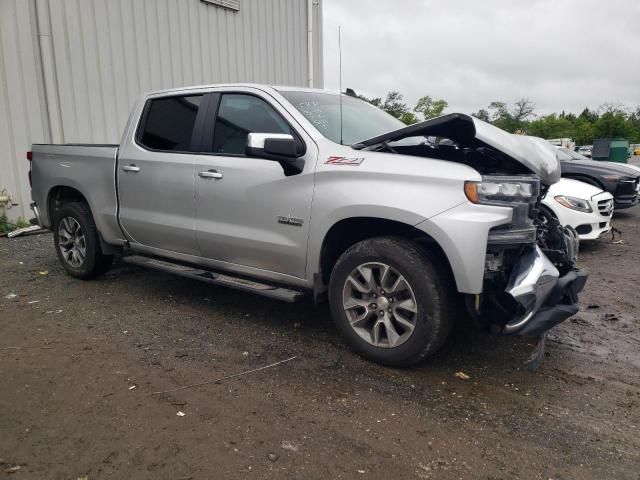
[605, 207]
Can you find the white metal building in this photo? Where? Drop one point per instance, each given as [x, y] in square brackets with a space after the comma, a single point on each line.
[71, 69]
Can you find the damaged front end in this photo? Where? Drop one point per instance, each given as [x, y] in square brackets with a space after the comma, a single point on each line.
[531, 281]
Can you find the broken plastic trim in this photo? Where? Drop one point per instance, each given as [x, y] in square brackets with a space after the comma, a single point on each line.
[531, 282]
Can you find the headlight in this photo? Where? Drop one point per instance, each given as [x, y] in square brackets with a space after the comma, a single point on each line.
[573, 203]
[496, 190]
[612, 178]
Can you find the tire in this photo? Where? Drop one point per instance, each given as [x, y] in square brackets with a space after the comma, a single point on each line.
[430, 297]
[67, 221]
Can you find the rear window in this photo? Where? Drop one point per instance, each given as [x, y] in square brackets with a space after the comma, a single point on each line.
[168, 123]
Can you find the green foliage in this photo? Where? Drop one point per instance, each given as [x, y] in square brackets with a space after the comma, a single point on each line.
[393, 104]
[612, 124]
[6, 226]
[610, 120]
[551, 126]
[22, 223]
[430, 107]
[482, 114]
[409, 118]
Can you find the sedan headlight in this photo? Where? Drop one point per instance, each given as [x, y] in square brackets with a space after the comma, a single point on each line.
[612, 178]
[497, 190]
[573, 203]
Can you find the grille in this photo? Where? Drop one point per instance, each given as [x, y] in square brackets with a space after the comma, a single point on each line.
[605, 207]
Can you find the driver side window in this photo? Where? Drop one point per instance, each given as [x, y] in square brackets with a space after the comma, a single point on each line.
[239, 115]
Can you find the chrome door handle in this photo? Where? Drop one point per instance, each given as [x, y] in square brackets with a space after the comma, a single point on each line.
[131, 168]
[210, 174]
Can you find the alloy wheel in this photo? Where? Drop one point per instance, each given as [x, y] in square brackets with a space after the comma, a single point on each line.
[72, 242]
[380, 305]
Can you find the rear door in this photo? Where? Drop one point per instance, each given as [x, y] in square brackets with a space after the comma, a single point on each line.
[156, 174]
[250, 214]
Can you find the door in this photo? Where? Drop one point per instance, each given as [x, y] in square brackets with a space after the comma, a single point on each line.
[156, 174]
[248, 212]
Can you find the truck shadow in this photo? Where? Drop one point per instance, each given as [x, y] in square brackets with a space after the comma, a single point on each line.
[307, 330]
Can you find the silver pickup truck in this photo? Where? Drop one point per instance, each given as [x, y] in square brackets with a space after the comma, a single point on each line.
[288, 191]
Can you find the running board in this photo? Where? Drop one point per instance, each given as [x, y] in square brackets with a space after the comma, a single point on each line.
[271, 291]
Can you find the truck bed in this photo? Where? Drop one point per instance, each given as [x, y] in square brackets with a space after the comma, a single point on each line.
[88, 169]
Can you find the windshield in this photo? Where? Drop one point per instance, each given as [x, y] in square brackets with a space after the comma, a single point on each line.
[360, 120]
[568, 154]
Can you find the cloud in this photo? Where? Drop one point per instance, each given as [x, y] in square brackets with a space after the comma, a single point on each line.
[562, 54]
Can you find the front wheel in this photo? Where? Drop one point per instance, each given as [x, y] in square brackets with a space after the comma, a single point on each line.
[77, 244]
[392, 302]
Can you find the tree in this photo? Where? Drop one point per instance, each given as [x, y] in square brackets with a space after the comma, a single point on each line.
[376, 102]
[523, 109]
[393, 104]
[409, 118]
[609, 120]
[498, 110]
[612, 124]
[482, 114]
[612, 107]
[582, 131]
[634, 120]
[502, 118]
[588, 115]
[430, 107]
[551, 126]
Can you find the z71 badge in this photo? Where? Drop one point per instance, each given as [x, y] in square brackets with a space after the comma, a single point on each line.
[338, 160]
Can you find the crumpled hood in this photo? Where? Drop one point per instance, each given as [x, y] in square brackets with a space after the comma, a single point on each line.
[536, 154]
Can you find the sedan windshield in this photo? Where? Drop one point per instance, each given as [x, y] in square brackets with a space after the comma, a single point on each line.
[568, 154]
[360, 120]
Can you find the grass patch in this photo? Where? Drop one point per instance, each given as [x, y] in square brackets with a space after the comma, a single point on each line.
[6, 226]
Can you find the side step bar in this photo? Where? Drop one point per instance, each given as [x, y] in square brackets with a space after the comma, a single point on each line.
[271, 291]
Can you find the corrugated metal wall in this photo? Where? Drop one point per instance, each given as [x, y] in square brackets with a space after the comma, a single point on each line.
[71, 69]
[23, 118]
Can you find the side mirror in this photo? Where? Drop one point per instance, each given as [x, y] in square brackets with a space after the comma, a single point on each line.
[279, 147]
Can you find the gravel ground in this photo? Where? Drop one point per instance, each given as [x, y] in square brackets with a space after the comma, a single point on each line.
[79, 362]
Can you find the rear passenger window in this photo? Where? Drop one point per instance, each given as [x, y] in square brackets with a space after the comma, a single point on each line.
[240, 115]
[169, 123]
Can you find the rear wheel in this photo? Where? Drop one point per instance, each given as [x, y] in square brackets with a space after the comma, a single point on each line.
[392, 303]
[77, 244]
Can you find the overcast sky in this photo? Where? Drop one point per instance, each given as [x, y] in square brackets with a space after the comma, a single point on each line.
[561, 54]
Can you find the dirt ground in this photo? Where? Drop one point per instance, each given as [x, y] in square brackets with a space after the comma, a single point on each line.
[79, 362]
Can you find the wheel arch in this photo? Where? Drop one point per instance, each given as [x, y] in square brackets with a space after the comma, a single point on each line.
[60, 195]
[349, 231]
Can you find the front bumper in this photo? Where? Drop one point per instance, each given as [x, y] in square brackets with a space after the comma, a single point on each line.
[538, 297]
[594, 224]
[626, 194]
